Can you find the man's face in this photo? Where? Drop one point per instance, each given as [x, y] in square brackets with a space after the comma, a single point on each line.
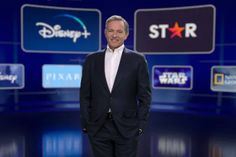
[115, 34]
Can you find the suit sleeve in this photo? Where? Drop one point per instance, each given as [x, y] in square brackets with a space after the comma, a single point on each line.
[144, 93]
[85, 93]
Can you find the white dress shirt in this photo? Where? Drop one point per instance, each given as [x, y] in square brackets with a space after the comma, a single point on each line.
[112, 61]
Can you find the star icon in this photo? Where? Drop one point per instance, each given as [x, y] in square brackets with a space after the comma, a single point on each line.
[176, 30]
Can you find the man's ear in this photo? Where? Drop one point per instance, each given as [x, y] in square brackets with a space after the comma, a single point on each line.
[126, 36]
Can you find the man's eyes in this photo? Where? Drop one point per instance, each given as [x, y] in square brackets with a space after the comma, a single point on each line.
[111, 31]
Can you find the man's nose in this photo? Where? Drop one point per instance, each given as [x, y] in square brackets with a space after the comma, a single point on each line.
[114, 34]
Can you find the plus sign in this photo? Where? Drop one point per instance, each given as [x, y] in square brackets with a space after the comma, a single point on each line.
[86, 33]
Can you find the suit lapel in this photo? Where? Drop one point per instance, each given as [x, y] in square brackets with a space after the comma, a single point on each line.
[102, 71]
[120, 71]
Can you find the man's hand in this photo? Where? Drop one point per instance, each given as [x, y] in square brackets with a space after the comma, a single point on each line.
[140, 131]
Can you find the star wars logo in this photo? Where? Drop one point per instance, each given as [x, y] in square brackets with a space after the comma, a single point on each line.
[176, 31]
[173, 78]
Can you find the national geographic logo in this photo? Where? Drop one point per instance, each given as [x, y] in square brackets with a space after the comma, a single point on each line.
[218, 79]
[223, 78]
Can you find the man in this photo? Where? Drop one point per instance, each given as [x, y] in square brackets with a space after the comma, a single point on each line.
[115, 95]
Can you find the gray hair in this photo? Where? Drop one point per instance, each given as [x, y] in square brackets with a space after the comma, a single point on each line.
[118, 18]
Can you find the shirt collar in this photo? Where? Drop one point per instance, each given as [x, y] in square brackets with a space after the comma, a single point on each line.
[117, 50]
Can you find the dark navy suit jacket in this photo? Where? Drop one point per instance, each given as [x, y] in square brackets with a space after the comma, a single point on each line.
[129, 99]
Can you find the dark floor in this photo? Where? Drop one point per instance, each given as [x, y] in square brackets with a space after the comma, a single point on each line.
[51, 134]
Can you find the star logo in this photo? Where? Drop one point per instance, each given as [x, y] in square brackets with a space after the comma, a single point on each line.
[176, 30]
